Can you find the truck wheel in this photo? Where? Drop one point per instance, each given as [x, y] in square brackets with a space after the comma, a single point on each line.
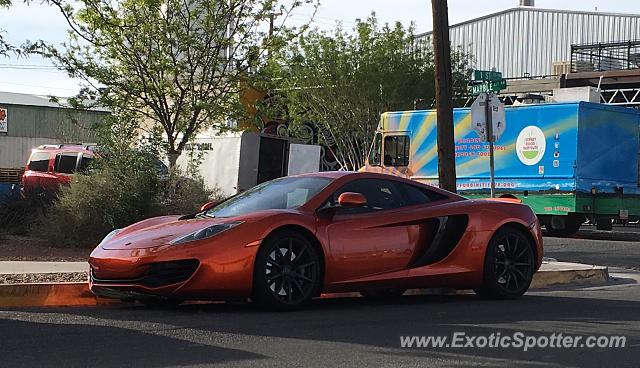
[604, 223]
[571, 226]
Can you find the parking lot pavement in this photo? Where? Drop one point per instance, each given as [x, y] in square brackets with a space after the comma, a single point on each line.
[617, 248]
[348, 332]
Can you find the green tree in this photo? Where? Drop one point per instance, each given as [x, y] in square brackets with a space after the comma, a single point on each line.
[342, 82]
[5, 47]
[175, 65]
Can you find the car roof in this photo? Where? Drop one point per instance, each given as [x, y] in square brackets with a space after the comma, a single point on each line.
[327, 174]
[352, 175]
[57, 148]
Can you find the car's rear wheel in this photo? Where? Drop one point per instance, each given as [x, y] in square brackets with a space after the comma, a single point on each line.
[382, 293]
[287, 271]
[509, 265]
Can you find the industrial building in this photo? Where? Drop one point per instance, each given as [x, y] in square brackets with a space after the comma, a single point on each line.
[527, 41]
[27, 121]
[544, 52]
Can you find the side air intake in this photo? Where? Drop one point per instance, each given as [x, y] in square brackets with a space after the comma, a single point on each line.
[448, 234]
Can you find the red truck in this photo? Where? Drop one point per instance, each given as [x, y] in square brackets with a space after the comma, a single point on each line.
[49, 166]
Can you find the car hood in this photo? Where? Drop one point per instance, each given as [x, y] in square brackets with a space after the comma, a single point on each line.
[158, 231]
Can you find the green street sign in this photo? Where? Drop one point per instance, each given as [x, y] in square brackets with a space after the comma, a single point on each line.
[487, 75]
[488, 86]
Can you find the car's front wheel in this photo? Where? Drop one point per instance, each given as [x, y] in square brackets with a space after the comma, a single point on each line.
[287, 271]
[509, 265]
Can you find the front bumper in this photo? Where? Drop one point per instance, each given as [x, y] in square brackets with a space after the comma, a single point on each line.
[155, 279]
[158, 274]
[206, 272]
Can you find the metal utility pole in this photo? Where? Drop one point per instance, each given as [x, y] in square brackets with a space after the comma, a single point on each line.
[444, 95]
[272, 17]
[491, 138]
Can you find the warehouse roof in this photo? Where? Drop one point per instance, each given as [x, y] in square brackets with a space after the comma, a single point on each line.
[533, 8]
[10, 98]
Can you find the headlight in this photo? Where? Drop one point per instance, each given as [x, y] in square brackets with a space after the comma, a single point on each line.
[207, 232]
[109, 236]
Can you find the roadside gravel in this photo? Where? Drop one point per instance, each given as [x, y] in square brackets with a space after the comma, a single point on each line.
[43, 278]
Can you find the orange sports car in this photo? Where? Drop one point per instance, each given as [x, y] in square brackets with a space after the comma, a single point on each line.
[286, 241]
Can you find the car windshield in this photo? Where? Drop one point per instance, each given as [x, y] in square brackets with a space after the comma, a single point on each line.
[281, 193]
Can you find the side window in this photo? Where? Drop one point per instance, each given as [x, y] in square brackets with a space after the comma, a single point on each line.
[417, 195]
[396, 150]
[376, 151]
[84, 162]
[380, 194]
[39, 161]
[66, 163]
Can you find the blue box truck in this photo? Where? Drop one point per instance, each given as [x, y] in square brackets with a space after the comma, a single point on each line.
[568, 161]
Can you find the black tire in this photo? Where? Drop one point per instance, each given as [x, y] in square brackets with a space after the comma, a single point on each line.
[160, 303]
[508, 266]
[382, 293]
[287, 272]
[571, 226]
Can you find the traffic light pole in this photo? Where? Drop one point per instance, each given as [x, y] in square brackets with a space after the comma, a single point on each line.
[490, 138]
[444, 92]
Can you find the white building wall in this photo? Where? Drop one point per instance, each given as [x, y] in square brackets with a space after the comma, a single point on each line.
[14, 151]
[529, 40]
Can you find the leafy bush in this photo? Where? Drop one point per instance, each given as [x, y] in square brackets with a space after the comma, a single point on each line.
[111, 196]
[183, 194]
[17, 216]
[118, 192]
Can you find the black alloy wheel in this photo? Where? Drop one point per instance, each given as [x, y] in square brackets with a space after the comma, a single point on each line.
[509, 265]
[287, 271]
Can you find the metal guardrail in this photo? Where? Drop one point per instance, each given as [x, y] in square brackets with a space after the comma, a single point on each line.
[623, 55]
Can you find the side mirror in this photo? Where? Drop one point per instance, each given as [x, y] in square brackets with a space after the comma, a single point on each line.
[352, 199]
[209, 205]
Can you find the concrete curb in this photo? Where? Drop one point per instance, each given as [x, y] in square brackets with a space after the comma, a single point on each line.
[49, 295]
[564, 273]
[78, 294]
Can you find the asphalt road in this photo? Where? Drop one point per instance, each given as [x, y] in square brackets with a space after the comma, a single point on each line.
[617, 248]
[348, 332]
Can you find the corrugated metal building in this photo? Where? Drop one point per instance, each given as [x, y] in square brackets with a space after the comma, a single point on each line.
[27, 121]
[528, 41]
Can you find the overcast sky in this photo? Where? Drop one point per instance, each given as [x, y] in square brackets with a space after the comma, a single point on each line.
[34, 22]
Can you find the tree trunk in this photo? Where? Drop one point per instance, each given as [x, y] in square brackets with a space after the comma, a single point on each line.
[173, 157]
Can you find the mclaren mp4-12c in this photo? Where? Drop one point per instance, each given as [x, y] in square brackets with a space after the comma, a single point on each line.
[286, 241]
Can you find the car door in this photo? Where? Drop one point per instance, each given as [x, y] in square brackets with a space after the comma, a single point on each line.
[378, 238]
[65, 166]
